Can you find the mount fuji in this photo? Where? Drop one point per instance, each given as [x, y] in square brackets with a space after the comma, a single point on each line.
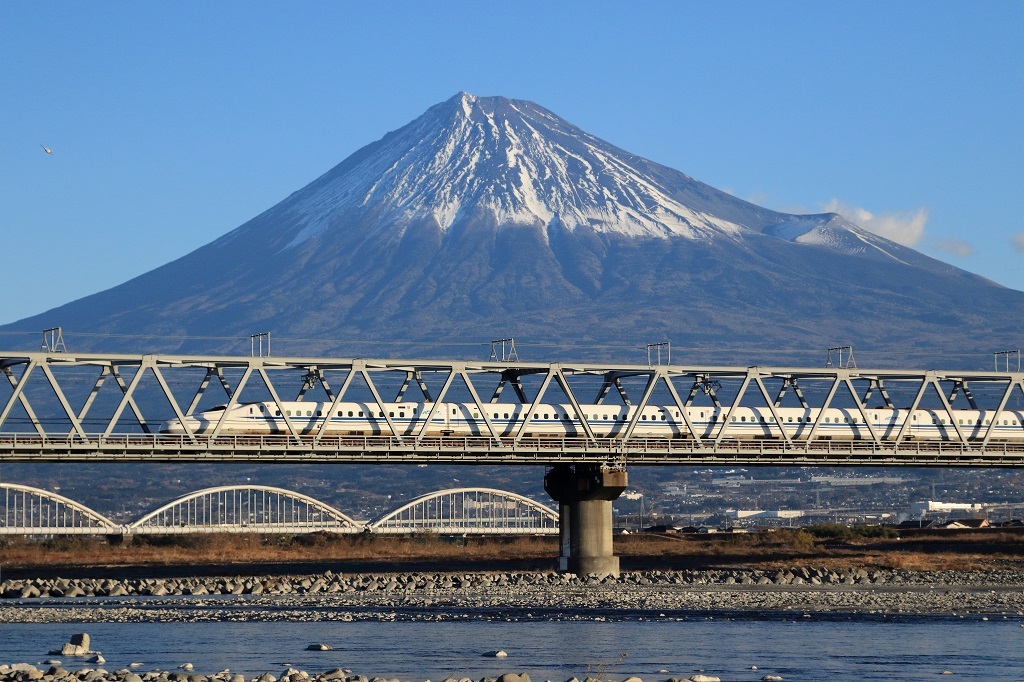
[489, 217]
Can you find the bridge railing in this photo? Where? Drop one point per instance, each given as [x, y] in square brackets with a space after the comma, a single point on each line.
[480, 449]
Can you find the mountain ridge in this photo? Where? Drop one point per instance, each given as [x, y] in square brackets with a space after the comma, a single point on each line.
[489, 217]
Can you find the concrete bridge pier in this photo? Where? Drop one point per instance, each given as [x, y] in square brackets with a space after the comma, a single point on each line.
[584, 493]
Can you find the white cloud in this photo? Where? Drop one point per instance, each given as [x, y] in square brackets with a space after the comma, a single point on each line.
[1018, 241]
[955, 247]
[903, 228]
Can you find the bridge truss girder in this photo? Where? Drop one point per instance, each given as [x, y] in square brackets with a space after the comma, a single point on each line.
[274, 375]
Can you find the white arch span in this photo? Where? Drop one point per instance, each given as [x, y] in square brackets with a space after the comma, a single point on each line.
[33, 511]
[245, 509]
[470, 511]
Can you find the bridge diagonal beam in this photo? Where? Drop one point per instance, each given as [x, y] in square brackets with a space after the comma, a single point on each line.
[777, 420]
[400, 395]
[563, 383]
[173, 402]
[424, 389]
[434, 406]
[91, 398]
[533, 407]
[606, 385]
[652, 381]
[18, 395]
[126, 399]
[824, 407]
[732, 409]
[334, 405]
[261, 370]
[1010, 385]
[862, 408]
[380, 403]
[949, 410]
[76, 426]
[233, 400]
[879, 384]
[908, 422]
[128, 392]
[480, 406]
[697, 438]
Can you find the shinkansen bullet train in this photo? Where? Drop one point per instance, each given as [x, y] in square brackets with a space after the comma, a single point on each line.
[552, 420]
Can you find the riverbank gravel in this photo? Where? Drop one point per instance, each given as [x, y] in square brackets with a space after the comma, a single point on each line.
[512, 595]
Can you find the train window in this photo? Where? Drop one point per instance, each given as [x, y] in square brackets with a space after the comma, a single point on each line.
[762, 419]
[340, 414]
[962, 421]
[288, 412]
[263, 408]
[790, 419]
[380, 414]
[277, 413]
[943, 420]
[662, 417]
[350, 413]
[828, 420]
[506, 415]
[743, 419]
[401, 415]
[734, 418]
[476, 415]
[319, 413]
[360, 413]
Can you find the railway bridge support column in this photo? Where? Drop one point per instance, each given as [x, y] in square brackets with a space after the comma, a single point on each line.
[584, 493]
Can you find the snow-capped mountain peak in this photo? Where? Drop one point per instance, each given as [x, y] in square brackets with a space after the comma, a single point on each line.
[512, 159]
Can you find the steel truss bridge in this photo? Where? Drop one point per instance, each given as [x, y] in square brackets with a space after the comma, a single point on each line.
[59, 406]
[262, 509]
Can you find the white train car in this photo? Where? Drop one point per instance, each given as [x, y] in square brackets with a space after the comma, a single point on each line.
[606, 421]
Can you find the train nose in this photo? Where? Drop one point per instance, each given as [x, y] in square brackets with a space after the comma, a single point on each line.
[175, 426]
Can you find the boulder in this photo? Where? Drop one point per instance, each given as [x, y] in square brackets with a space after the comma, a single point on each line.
[772, 678]
[701, 677]
[81, 639]
[496, 654]
[319, 647]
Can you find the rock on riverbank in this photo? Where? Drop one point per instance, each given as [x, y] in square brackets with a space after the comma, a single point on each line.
[512, 596]
[332, 583]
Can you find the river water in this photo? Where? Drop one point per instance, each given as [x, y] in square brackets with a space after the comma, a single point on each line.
[836, 648]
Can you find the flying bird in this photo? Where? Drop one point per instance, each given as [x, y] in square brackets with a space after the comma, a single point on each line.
[47, 149]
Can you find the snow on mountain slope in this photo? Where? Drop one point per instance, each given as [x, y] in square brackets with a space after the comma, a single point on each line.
[513, 159]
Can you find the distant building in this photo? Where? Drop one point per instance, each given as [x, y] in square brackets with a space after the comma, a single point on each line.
[959, 524]
[763, 514]
[931, 507]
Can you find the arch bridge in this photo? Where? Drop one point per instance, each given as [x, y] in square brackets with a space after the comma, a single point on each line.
[470, 511]
[265, 509]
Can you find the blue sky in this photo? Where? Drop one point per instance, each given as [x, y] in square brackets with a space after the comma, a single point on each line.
[171, 124]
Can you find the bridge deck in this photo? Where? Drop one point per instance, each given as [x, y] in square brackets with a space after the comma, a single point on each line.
[483, 450]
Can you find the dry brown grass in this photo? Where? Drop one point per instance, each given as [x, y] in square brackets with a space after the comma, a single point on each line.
[767, 550]
[269, 549]
[770, 550]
